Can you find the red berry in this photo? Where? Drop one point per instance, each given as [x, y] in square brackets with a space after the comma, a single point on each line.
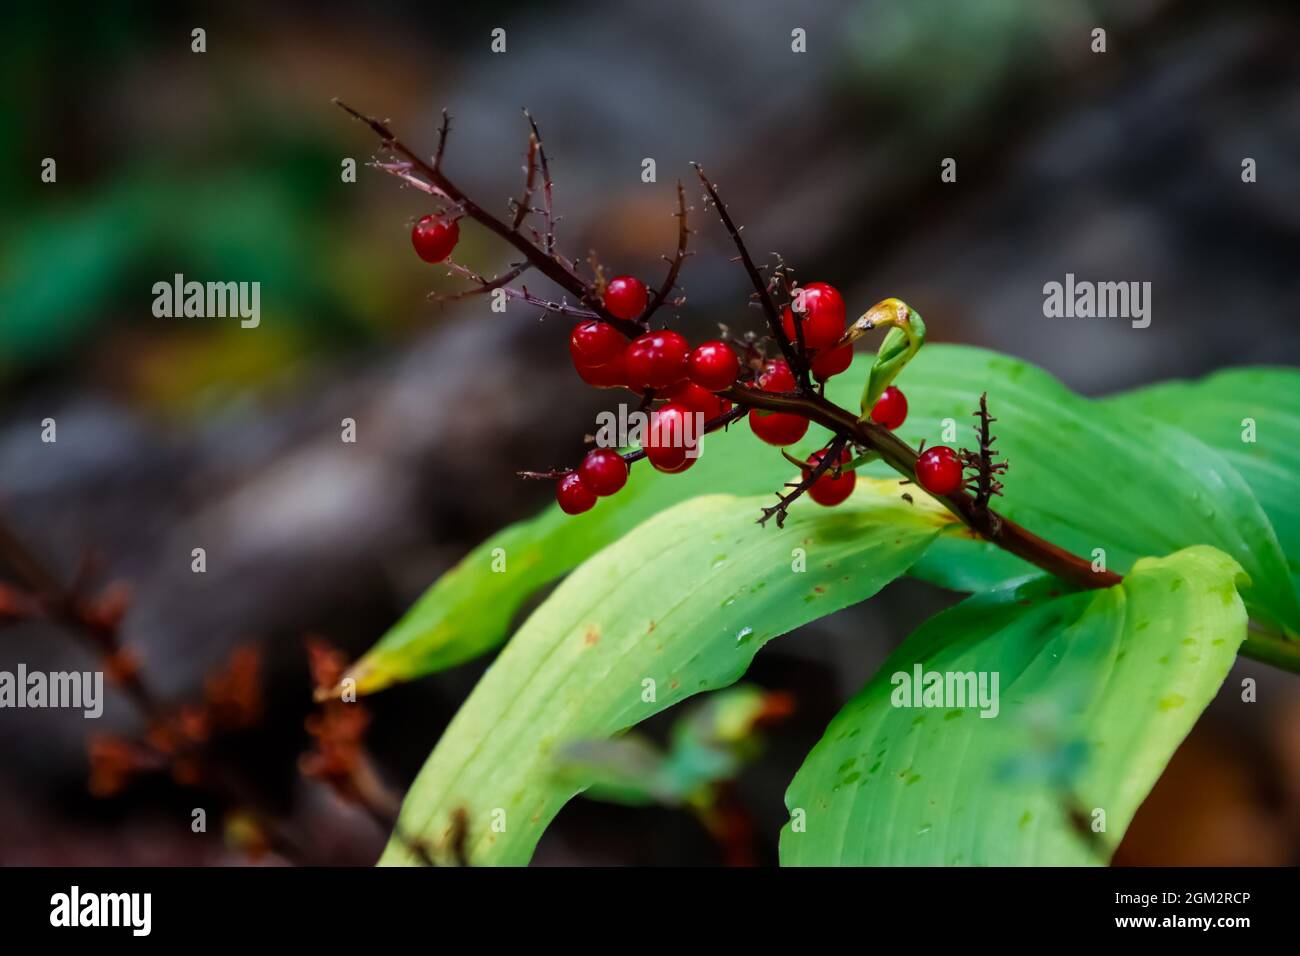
[603, 471]
[656, 359]
[626, 297]
[696, 398]
[777, 377]
[777, 428]
[890, 409]
[434, 237]
[574, 496]
[595, 343]
[829, 490]
[713, 365]
[822, 318]
[828, 362]
[938, 470]
[666, 441]
[610, 375]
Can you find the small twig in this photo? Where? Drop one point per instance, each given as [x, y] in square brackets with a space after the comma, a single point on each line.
[985, 484]
[524, 206]
[485, 286]
[548, 214]
[760, 287]
[443, 131]
[829, 458]
[675, 263]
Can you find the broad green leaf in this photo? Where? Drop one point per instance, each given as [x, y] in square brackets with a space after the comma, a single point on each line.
[1085, 475]
[469, 609]
[684, 601]
[1252, 417]
[1096, 690]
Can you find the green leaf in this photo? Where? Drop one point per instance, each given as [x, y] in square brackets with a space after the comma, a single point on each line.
[1252, 417]
[469, 609]
[685, 600]
[1086, 475]
[1096, 690]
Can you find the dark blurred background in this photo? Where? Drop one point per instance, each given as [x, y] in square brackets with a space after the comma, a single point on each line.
[175, 433]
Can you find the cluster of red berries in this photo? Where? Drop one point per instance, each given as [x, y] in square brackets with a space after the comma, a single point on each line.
[603, 472]
[688, 381]
[821, 324]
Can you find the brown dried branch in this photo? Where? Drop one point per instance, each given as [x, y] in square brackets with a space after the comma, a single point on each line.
[339, 758]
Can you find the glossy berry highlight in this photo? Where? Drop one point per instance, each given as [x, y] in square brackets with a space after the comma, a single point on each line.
[939, 470]
[890, 409]
[830, 490]
[697, 398]
[713, 365]
[822, 318]
[574, 496]
[603, 471]
[610, 375]
[669, 438]
[656, 359]
[434, 238]
[593, 344]
[626, 297]
[777, 428]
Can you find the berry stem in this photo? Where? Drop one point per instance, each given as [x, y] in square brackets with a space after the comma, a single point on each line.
[712, 425]
[985, 522]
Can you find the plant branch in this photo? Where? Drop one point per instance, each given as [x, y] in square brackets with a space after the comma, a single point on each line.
[761, 290]
[675, 263]
[712, 425]
[986, 522]
[541, 258]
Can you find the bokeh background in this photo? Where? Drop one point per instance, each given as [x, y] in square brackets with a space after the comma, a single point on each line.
[175, 433]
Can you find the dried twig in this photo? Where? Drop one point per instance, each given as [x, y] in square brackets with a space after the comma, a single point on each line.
[830, 458]
[983, 462]
[675, 263]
